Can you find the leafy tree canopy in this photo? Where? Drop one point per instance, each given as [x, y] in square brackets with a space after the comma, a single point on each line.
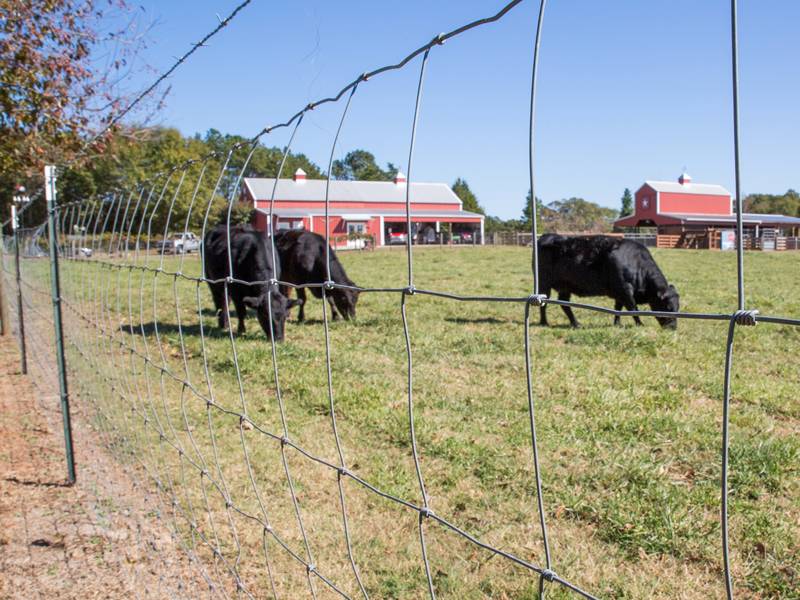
[62, 73]
[783, 204]
[360, 165]
[568, 215]
[138, 166]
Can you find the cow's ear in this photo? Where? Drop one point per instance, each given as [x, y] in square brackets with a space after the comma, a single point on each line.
[294, 302]
[252, 301]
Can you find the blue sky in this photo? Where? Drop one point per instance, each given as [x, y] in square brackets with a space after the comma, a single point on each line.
[628, 90]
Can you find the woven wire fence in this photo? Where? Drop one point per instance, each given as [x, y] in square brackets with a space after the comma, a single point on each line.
[144, 352]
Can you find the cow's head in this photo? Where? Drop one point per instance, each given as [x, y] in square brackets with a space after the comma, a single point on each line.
[345, 301]
[667, 301]
[275, 303]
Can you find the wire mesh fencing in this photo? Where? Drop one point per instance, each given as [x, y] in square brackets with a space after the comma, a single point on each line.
[264, 499]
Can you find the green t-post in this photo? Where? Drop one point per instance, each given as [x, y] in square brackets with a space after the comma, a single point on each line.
[55, 287]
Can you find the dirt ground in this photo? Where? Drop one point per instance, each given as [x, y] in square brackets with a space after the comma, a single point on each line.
[100, 538]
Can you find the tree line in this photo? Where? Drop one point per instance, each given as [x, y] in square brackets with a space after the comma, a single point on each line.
[132, 155]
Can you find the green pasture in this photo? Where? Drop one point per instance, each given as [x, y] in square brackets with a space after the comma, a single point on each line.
[628, 420]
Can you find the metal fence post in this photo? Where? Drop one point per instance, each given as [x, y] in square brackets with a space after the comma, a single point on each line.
[55, 286]
[23, 355]
[3, 313]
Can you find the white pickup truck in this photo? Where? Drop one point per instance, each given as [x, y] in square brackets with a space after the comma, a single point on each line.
[182, 243]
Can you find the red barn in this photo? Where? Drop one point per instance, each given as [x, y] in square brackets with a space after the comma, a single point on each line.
[376, 208]
[683, 206]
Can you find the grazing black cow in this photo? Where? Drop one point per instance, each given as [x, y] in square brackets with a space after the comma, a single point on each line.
[602, 265]
[302, 256]
[252, 261]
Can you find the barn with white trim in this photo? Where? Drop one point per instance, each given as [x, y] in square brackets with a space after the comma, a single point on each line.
[363, 208]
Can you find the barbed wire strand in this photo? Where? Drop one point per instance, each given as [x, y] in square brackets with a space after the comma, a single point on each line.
[149, 89]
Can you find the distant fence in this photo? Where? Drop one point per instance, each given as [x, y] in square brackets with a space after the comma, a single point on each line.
[523, 238]
[691, 240]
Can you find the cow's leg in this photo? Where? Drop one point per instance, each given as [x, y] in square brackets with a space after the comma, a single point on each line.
[334, 312]
[220, 303]
[617, 306]
[241, 312]
[301, 295]
[565, 296]
[630, 302]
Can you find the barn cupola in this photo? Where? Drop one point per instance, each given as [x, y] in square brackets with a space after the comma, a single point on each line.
[299, 175]
[399, 178]
[684, 179]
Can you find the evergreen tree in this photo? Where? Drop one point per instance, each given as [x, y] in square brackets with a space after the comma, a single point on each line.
[526, 211]
[627, 204]
[468, 199]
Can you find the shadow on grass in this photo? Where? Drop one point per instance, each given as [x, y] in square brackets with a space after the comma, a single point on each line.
[358, 322]
[464, 320]
[149, 329]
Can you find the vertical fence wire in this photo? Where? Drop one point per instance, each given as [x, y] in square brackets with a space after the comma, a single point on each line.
[113, 326]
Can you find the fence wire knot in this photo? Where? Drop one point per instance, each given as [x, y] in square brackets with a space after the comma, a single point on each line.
[549, 575]
[410, 290]
[537, 299]
[745, 317]
[328, 285]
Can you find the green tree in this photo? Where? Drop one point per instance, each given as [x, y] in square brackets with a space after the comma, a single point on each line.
[360, 165]
[784, 204]
[526, 211]
[468, 199]
[58, 86]
[577, 214]
[626, 204]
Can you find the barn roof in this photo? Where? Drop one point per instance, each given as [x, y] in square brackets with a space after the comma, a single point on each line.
[749, 218]
[358, 191]
[746, 217]
[688, 188]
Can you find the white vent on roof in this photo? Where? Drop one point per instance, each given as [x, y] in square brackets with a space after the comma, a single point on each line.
[684, 179]
[299, 175]
[399, 178]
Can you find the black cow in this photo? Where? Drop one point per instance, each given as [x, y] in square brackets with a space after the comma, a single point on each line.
[252, 262]
[302, 256]
[602, 265]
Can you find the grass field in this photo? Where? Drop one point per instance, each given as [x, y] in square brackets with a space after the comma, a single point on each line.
[628, 421]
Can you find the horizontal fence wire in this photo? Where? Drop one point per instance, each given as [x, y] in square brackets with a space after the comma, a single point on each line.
[162, 408]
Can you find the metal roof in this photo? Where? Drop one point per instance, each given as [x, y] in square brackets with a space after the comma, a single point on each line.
[358, 214]
[746, 217]
[688, 188]
[353, 191]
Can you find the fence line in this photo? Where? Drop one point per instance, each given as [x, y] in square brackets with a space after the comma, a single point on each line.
[117, 351]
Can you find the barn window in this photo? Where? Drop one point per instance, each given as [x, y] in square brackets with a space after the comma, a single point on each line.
[356, 227]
